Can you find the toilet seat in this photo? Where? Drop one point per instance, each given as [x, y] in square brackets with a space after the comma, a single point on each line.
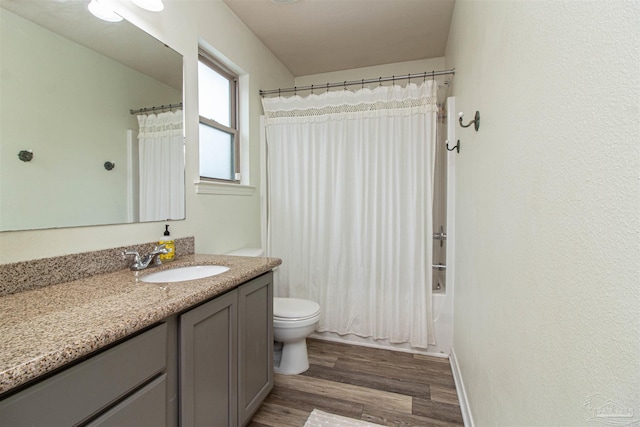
[294, 309]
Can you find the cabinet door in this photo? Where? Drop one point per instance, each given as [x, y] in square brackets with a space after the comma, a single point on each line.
[208, 368]
[255, 344]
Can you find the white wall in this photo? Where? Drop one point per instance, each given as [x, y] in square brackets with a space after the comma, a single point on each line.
[547, 307]
[219, 223]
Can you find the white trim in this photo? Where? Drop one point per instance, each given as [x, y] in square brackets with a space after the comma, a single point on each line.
[264, 202]
[208, 187]
[130, 166]
[465, 408]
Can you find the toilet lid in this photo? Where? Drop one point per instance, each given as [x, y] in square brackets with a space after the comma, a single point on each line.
[294, 308]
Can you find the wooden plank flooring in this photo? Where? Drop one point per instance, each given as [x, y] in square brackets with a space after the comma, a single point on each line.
[379, 386]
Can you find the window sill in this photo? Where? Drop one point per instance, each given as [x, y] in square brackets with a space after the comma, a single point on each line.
[208, 187]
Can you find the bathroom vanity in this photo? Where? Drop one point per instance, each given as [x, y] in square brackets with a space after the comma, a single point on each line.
[111, 350]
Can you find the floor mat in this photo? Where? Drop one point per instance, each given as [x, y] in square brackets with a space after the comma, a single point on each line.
[324, 419]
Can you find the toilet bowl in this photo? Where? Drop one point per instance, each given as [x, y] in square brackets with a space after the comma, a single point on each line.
[293, 321]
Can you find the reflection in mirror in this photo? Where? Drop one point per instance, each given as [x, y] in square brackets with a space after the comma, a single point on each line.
[68, 82]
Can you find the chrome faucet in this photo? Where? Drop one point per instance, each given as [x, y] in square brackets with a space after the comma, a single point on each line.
[140, 263]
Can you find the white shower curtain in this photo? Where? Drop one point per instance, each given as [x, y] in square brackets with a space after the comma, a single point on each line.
[161, 149]
[350, 195]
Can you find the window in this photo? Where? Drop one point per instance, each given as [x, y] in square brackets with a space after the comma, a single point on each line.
[218, 107]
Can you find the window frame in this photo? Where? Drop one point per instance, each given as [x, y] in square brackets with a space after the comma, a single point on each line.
[234, 127]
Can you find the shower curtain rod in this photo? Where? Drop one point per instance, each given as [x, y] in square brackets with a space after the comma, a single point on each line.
[363, 82]
[149, 109]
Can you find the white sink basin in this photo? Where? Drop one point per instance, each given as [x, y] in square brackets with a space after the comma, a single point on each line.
[182, 274]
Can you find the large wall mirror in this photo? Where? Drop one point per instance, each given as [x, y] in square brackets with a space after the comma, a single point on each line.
[71, 152]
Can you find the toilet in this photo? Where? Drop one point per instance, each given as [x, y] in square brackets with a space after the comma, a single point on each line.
[294, 320]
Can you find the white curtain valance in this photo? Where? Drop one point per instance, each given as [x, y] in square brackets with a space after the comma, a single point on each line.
[163, 124]
[346, 105]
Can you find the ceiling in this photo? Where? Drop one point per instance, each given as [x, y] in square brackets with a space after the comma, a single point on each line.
[318, 36]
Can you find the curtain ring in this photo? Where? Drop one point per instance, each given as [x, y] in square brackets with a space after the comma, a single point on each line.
[327, 87]
[278, 92]
[393, 80]
[295, 91]
[311, 89]
[433, 75]
[424, 77]
[362, 83]
[380, 81]
[345, 85]
[409, 78]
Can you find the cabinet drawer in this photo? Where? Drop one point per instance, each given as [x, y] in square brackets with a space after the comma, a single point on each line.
[81, 391]
[145, 407]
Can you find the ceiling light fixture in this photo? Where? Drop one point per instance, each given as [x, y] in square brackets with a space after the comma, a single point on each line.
[104, 12]
[150, 5]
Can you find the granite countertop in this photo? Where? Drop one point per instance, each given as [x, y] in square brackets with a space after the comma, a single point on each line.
[44, 329]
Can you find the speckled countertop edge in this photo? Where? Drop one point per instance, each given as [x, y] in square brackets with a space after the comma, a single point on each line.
[46, 328]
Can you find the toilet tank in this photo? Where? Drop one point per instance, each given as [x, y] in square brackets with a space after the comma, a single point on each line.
[254, 252]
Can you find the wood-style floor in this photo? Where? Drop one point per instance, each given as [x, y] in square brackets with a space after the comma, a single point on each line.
[378, 386]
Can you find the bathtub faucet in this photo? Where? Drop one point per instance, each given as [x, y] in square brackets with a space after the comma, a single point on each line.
[442, 236]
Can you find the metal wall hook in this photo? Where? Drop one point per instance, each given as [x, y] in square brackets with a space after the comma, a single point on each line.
[25, 155]
[455, 147]
[475, 121]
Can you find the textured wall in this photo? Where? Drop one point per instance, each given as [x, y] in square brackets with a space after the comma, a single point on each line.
[547, 306]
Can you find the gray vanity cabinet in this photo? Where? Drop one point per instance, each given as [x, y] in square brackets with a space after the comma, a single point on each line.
[226, 353]
[255, 345]
[226, 349]
[208, 363]
[209, 366]
[123, 385]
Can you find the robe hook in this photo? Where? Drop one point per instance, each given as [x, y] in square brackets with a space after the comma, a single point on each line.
[25, 155]
[475, 122]
[455, 147]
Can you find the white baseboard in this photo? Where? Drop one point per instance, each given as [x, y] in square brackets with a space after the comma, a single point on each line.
[462, 393]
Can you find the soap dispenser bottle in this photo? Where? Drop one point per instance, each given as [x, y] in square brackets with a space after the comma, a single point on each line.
[169, 244]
